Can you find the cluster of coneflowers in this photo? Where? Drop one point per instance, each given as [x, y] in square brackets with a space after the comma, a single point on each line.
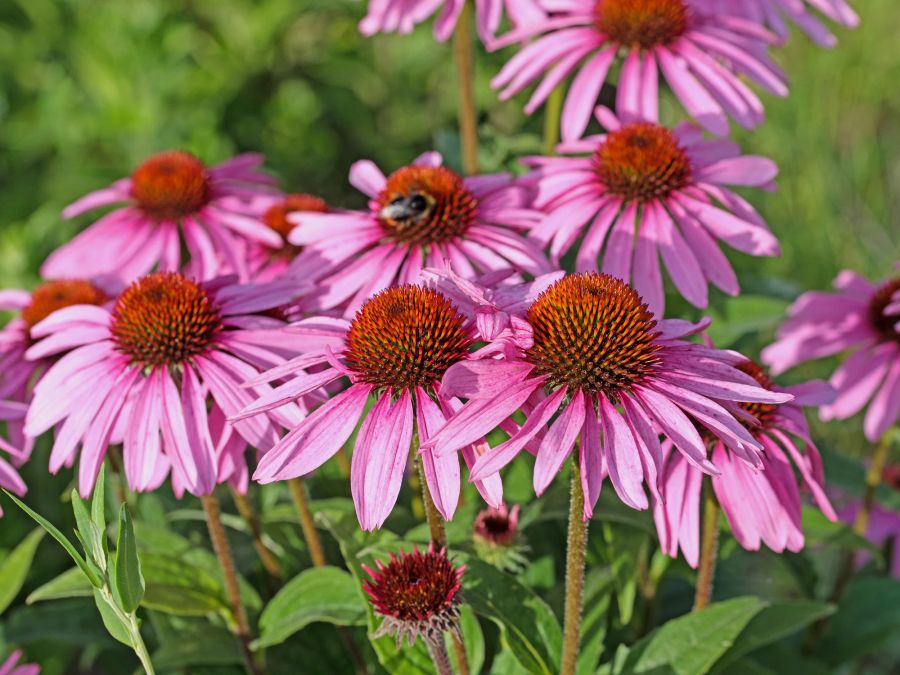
[209, 328]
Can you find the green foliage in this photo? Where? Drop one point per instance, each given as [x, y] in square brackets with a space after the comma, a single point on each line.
[14, 568]
[320, 594]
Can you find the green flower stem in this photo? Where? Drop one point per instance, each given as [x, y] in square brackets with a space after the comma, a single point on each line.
[134, 632]
[575, 553]
[465, 73]
[709, 546]
[552, 114]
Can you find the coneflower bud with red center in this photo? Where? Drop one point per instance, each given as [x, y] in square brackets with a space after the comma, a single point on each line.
[418, 594]
[497, 540]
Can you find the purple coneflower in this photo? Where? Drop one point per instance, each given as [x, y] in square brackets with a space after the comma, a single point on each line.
[862, 317]
[606, 371]
[397, 348]
[420, 215]
[762, 504]
[773, 13]
[388, 16]
[703, 57]
[11, 411]
[18, 375]
[268, 263]
[11, 666]
[646, 191]
[142, 373]
[171, 199]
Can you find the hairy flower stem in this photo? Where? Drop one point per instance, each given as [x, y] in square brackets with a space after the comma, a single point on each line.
[266, 557]
[575, 551]
[439, 537]
[552, 113]
[226, 561]
[465, 73]
[438, 653]
[709, 546]
[307, 524]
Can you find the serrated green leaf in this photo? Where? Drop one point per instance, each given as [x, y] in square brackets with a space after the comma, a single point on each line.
[88, 568]
[320, 594]
[691, 644]
[14, 568]
[114, 624]
[128, 578]
[70, 584]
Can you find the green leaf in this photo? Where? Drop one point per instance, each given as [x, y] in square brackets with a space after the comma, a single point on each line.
[89, 569]
[128, 578]
[772, 624]
[72, 621]
[527, 623]
[14, 569]
[70, 584]
[98, 503]
[745, 314]
[88, 532]
[320, 594]
[598, 589]
[867, 616]
[176, 587]
[114, 624]
[207, 646]
[691, 644]
[473, 638]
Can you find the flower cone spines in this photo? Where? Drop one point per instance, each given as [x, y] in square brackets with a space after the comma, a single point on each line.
[417, 594]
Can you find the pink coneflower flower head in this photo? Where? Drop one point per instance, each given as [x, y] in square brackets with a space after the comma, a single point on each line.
[170, 199]
[418, 594]
[18, 375]
[268, 263]
[497, 526]
[761, 503]
[397, 348]
[702, 56]
[859, 316]
[144, 372]
[610, 374]
[645, 192]
[389, 16]
[497, 540]
[12, 667]
[422, 214]
[774, 14]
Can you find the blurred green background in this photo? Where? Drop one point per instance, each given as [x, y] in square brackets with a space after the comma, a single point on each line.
[90, 87]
